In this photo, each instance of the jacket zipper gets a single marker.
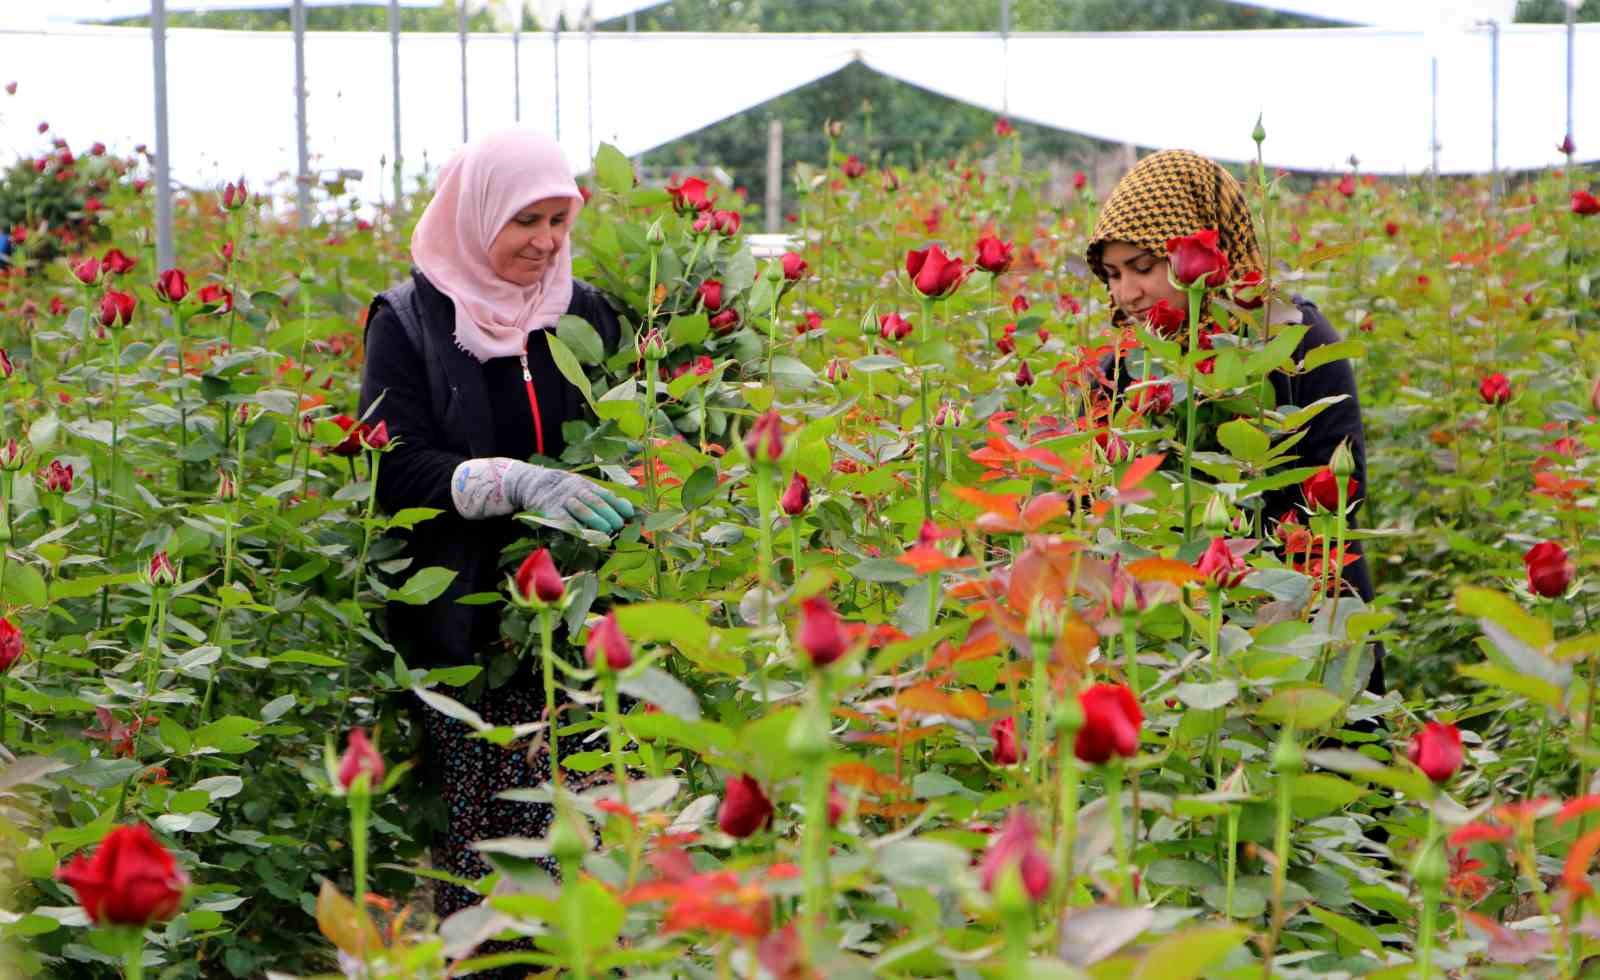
(533, 403)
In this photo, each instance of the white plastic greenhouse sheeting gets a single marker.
(1415, 14)
(33, 13)
(1325, 94)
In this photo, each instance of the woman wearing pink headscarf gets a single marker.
(457, 367)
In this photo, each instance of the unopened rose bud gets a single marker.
(1259, 134)
(655, 236)
(948, 416)
(833, 129)
(1216, 516)
(161, 573)
(838, 370)
(1343, 461)
(1044, 623)
(14, 456)
(227, 489)
(653, 346)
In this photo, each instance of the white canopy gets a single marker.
(33, 13)
(1415, 14)
(1325, 94)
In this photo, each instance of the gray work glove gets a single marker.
(496, 486)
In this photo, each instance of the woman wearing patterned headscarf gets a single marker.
(1173, 194)
(475, 404)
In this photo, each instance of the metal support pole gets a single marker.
(394, 84)
(774, 174)
(516, 63)
(297, 21)
(555, 59)
(461, 29)
(165, 258)
(1572, 13)
(1494, 112)
(588, 67)
(1005, 57)
(1433, 126)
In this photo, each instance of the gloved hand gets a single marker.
(496, 486)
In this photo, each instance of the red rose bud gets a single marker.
(726, 222)
(1550, 571)
(1197, 259)
(1566, 145)
(797, 496)
(822, 635)
(162, 573)
(932, 272)
(57, 478)
(1584, 203)
(1007, 344)
(1247, 292)
(811, 321)
(1114, 446)
(1347, 185)
(226, 251)
(764, 441)
(87, 270)
(745, 809)
(117, 262)
(1007, 752)
(1024, 377)
(131, 880)
(947, 416)
(1436, 750)
(893, 326)
(1321, 490)
(1165, 319)
(690, 195)
(14, 456)
(375, 438)
(216, 299)
(1017, 846)
(360, 756)
(608, 644)
(234, 195)
(1391, 229)
(838, 370)
(704, 223)
(7, 369)
(227, 489)
(350, 445)
(537, 578)
(725, 321)
(994, 255)
(890, 181)
(853, 167)
(1221, 565)
(11, 88)
(794, 267)
(1080, 180)
(710, 294)
(1155, 399)
(11, 645)
(1111, 720)
(172, 285)
(1003, 127)
(1495, 389)
(837, 805)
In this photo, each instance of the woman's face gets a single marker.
(1137, 279)
(523, 249)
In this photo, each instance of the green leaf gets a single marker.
(656, 686)
(580, 336)
(1348, 929)
(425, 586)
(410, 517)
(1208, 697)
(1311, 411)
(1176, 873)
(699, 737)
(613, 169)
(458, 676)
(227, 734)
(1301, 707)
(1189, 954)
(567, 364)
(881, 570)
(688, 331)
(1246, 442)
(673, 623)
(627, 414)
(920, 863)
(22, 585)
(1277, 351)
(699, 488)
(1498, 678)
(1328, 353)
(1499, 608)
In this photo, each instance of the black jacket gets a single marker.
(1337, 423)
(443, 406)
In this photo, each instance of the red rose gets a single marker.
(710, 294)
(811, 321)
(690, 195)
(1111, 720)
(821, 636)
(1079, 180)
(1565, 146)
(608, 644)
(172, 285)
(764, 441)
(537, 577)
(838, 370)
(117, 262)
(216, 299)
(1436, 750)
(1003, 127)
(1584, 203)
(234, 196)
(745, 809)
(1154, 399)
(794, 267)
(1390, 228)
(725, 321)
(1019, 304)
(1247, 291)
(1549, 569)
(1347, 185)
(1024, 378)
(893, 326)
(726, 222)
(932, 272)
(1321, 490)
(1017, 846)
(1166, 319)
(1007, 343)
(116, 308)
(350, 445)
(131, 879)
(1114, 446)
(703, 365)
(11, 645)
(796, 496)
(1006, 750)
(360, 756)
(1495, 389)
(1196, 258)
(87, 270)
(6, 367)
(161, 572)
(1221, 565)
(853, 167)
(57, 478)
(994, 255)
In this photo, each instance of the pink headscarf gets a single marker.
(482, 187)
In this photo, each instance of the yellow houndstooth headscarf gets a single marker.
(1171, 194)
